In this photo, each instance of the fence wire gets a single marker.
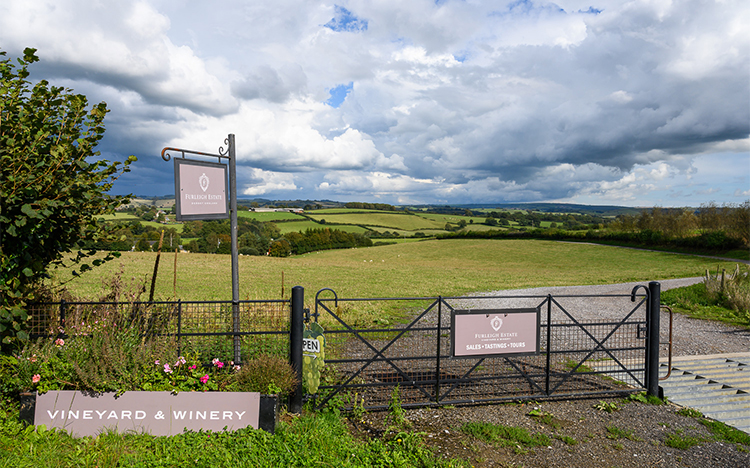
(205, 328)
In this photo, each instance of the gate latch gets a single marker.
(642, 331)
(307, 314)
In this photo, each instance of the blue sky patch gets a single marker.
(346, 21)
(338, 94)
(591, 10)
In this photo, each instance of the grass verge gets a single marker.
(309, 440)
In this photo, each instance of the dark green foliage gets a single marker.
(323, 239)
(370, 206)
(52, 186)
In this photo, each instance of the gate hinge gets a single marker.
(642, 331)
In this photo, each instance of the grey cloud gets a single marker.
(271, 84)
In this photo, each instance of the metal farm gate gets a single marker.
(579, 355)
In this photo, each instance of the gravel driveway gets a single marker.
(690, 336)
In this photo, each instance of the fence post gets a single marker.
(61, 320)
(549, 343)
(653, 310)
(179, 327)
(439, 332)
(296, 329)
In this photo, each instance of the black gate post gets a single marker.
(653, 309)
(296, 330)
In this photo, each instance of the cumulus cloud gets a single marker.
(425, 101)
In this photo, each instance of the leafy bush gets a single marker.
(47, 213)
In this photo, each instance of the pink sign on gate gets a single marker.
(492, 333)
(200, 190)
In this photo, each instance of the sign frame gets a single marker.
(178, 163)
(504, 344)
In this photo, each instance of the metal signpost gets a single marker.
(200, 194)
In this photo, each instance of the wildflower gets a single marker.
(204, 379)
(236, 368)
(157, 362)
(181, 360)
(36, 378)
(59, 342)
(215, 361)
(167, 369)
(219, 364)
(193, 367)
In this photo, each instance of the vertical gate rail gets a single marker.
(577, 357)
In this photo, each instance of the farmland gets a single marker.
(432, 267)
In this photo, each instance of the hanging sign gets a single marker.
(200, 190)
(492, 333)
(313, 356)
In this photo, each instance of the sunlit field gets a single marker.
(428, 268)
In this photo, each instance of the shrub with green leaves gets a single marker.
(52, 185)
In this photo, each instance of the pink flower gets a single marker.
(193, 367)
(36, 378)
(167, 369)
(204, 379)
(219, 364)
(59, 342)
(214, 361)
(156, 362)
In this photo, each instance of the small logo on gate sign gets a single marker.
(203, 181)
(496, 323)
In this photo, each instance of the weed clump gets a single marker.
(266, 374)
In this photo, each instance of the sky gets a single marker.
(599, 102)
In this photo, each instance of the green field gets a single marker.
(441, 219)
(301, 226)
(126, 217)
(386, 219)
(270, 215)
(427, 268)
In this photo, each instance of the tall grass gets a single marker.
(721, 296)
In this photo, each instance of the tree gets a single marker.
(52, 188)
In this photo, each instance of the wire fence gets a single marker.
(206, 328)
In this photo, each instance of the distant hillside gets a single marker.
(597, 210)
(600, 210)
